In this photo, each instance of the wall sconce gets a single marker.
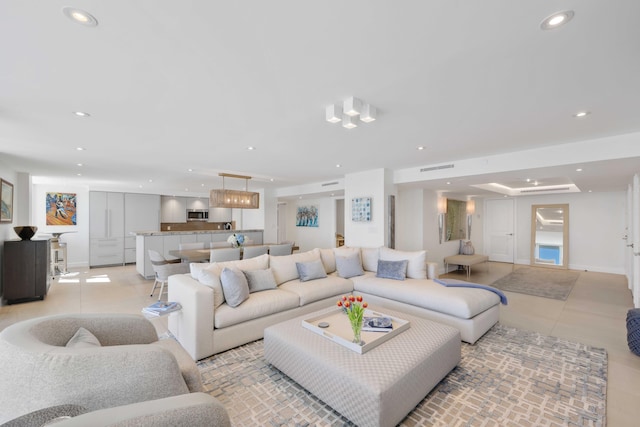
(471, 209)
(442, 210)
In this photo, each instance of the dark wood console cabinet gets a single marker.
(25, 270)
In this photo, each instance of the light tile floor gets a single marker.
(594, 314)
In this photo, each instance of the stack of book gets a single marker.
(377, 324)
(161, 308)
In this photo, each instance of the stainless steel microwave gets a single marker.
(197, 215)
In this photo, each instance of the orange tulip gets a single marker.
(359, 298)
(339, 303)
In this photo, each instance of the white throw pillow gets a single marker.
(417, 267)
(83, 339)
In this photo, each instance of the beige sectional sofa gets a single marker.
(209, 324)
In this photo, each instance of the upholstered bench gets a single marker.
(465, 260)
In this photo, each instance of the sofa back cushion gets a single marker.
(209, 273)
(284, 267)
(370, 258)
(328, 260)
(417, 261)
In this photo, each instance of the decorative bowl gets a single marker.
(26, 232)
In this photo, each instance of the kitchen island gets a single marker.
(165, 241)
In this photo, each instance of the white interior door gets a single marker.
(499, 230)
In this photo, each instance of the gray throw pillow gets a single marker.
(349, 266)
(83, 339)
(311, 270)
(396, 270)
(260, 280)
(234, 286)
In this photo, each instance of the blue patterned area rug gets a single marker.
(508, 378)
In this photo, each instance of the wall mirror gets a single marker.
(550, 236)
(456, 220)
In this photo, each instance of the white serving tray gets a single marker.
(339, 329)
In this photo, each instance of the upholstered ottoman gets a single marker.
(377, 388)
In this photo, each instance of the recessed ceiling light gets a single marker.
(272, 180)
(338, 165)
(79, 164)
(251, 148)
(81, 114)
(190, 170)
(448, 182)
(581, 114)
(579, 170)
(420, 148)
(80, 149)
(140, 186)
(150, 180)
(556, 20)
(79, 174)
(80, 16)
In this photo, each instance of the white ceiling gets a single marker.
(173, 86)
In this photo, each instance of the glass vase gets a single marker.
(356, 326)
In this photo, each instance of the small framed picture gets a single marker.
(6, 201)
(361, 209)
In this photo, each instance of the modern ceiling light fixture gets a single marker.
(223, 198)
(352, 111)
(80, 16)
(556, 20)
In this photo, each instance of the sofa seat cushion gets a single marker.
(258, 304)
(463, 303)
(318, 289)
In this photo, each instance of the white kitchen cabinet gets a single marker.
(106, 228)
(141, 213)
(174, 209)
(143, 263)
(197, 203)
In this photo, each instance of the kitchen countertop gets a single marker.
(170, 233)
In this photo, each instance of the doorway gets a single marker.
(499, 223)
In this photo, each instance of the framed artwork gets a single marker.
(361, 209)
(61, 209)
(6, 201)
(307, 216)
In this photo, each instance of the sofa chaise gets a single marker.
(208, 324)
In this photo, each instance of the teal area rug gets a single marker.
(539, 282)
(508, 378)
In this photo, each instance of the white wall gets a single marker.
(596, 228)
(377, 185)
(322, 236)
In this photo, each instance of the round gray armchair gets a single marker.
(119, 363)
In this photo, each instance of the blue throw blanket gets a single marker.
(452, 283)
